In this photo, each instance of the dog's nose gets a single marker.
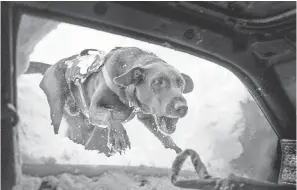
(180, 109)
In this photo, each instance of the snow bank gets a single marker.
(105, 181)
(31, 31)
(212, 126)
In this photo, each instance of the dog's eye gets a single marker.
(180, 83)
(160, 82)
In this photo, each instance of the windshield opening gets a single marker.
(191, 102)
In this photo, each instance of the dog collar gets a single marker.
(108, 80)
(130, 96)
(126, 94)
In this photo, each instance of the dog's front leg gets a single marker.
(149, 122)
(118, 139)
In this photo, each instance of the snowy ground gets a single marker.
(102, 182)
(209, 127)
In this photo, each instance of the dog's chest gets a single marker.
(108, 98)
(112, 101)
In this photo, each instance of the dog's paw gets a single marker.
(110, 153)
(118, 141)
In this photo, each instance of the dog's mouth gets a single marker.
(166, 125)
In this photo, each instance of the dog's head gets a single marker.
(159, 88)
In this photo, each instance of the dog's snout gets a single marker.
(177, 107)
(180, 109)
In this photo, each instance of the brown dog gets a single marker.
(93, 90)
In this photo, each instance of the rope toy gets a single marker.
(207, 182)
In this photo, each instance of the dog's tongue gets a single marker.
(166, 124)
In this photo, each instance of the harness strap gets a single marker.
(108, 80)
(88, 69)
(85, 109)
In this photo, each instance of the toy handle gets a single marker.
(86, 51)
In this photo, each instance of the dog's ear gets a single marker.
(55, 88)
(133, 76)
(189, 86)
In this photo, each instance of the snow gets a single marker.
(102, 182)
(85, 62)
(208, 128)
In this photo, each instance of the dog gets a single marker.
(97, 93)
